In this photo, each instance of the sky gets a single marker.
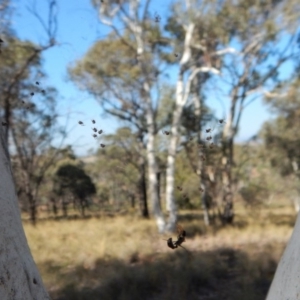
(78, 29)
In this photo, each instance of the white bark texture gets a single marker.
(286, 282)
(182, 94)
(19, 277)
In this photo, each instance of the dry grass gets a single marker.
(124, 258)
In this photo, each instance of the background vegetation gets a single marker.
(90, 220)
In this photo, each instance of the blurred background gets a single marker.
(125, 118)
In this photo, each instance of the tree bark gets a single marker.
(19, 277)
(181, 98)
(286, 284)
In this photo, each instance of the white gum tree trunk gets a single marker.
(181, 99)
(134, 21)
(286, 282)
(183, 92)
(19, 277)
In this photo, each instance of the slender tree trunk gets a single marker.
(201, 167)
(152, 169)
(227, 162)
(20, 278)
(286, 283)
(142, 183)
(182, 93)
(32, 208)
(65, 207)
(82, 207)
(158, 188)
(7, 115)
(132, 200)
(170, 172)
(142, 187)
(150, 145)
(54, 206)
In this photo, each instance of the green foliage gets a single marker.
(282, 134)
(73, 179)
(254, 194)
(115, 171)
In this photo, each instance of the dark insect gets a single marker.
(208, 130)
(80, 122)
(43, 91)
(201, 190)
(37, 83)
(100, 131)
(95, 129)
(209, 138)
(180, 238)
(176, 54)
(221, 121)
(94, 135)
(93, 121)
(32, 94)
(202, 157)
(171, 244)
(181, 235)
(4, 123)
(166, 132)
(211, 146)
(102, 145)
(179, 188)
(1, 41)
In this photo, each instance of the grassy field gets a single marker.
(124, 258)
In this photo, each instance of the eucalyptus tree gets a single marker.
(208, 30)
(35, 135)
(198, 34)
(19, 57)
(20, 278)
(28, 107)
(122, 71)
(122, 169)
(282, 135)
(264, 47)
